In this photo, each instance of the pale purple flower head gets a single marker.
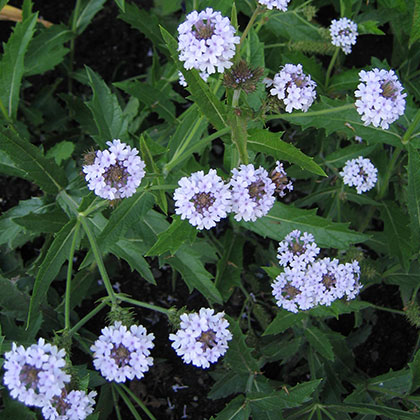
(278, 4)
(297, 249)
(380, 99)
(116, 172)
(206, 42)
(294, 88)
(359, 173)
(343, 34)
(121, 353)
(75, 405)
(202, 199)
(35, 374)
(252, 192)
(279, 177)
(202, 337)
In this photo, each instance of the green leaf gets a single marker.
(378, 410)
(42, 171)
(129, 212)
(415, 372)
(57, 254)
(397, 232)
(121, 4)
(156, 100)
(229, 383)
(131, 252)
(13, 302)
(335, 115)
(46, 50)
(415, 27)
(369, 27)
(338, 158)
(282, 219)
(239, 356)
(413, 194)
(12, 64)
(50, 222)
(270, 143)
(178, 232)
(145, 22)
(320, 342)
(237, 409)
(193, 272)
(8, 167)
(201, 94)
(61, 151)
(86, 12)
(106, 111)
(283, 320)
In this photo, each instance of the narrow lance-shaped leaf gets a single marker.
(42, 171)
(413, 194)
(320, 342)
(86, 12)
(56, 256)
(206, 100)
(12, 64)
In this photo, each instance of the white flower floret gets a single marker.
(252, 192)
(343, 34)
(116, 172)
(202, 337)
(359, 173)
(278, 4)
(202, 199)
(36, 374)
(121, 353)
(297, 249)
(294, 88)
(75, 405)
(206, 42)
(380, 99)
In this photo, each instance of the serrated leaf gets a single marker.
(87, 11)
(283, 320)
(121, 4)
(229, 383)
(415, 372)
(237, 409)
(413, 194)
(42, 171)
(13, 301)
(282, 219)
(270, 143)
(239, 356)
(131, 252)
(156, 100)
(12, 64)
(369, 27)
(130, 211)
(335, 115)
(8, 167)
(397, 232)
(193, 272)
(378, 410)
(61, 151)
(106, 111)
(46, 50)
(320, 342)
(201, 94)
(50, 266)
(50, 222)
(178, 232)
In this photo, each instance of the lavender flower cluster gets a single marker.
(380, 99)
(36, 376)
(204, 199)
(307, 281)
(343, 34)
(359, 173)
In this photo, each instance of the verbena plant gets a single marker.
(277, 173)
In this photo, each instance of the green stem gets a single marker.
(331, 66)
(383, 308)
(90, 315)
(235, 97)
(275, 45)
(251, 21)
(115, 399)
(69, 276)
(407, 135)
(93, 207)
(389, 169)
(165, 311)
(138, 401)
(291, 117)
(99, 260)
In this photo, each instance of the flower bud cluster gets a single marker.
(380, 99)
(36, 377)
(293, 87)
(343, 34)
(359, 173)
(204, 199)
(206, 42)
(307, 281)
(116, 172)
